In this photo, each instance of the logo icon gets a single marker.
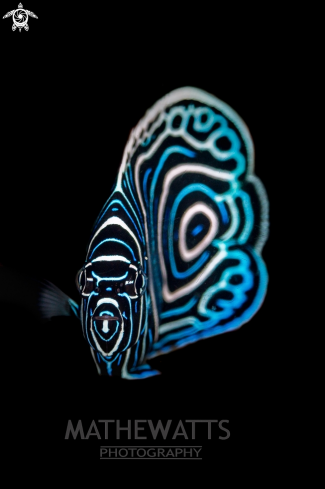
(20, 18)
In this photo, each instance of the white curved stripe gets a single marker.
(140, 133)
(131, 207)
(150, 273)
(111, 258)
(143, 342)
(144, 307)
(169, 177)
(124, 371)
(264, 222)
(197, 208)
(107, 301)
(197, 281)
(119, 222)
(175, 172)
(141, 301)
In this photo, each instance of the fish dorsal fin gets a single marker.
(188, 167)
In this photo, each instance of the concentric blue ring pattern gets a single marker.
(188, 209)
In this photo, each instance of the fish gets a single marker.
(174, 256)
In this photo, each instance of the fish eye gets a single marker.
(84, 282)
(140, 283)
(135, 285)
(136, 282)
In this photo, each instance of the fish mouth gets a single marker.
(107, 325)
(105, 317)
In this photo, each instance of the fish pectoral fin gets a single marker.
(53, 302)
(39, 297)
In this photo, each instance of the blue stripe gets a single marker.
(179, 310)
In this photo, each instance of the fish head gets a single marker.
(113, 308)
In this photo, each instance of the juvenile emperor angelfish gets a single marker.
(175, 254)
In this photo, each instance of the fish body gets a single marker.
(175, 254)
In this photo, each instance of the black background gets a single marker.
(72, 88)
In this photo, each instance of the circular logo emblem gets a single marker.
(20, 18)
